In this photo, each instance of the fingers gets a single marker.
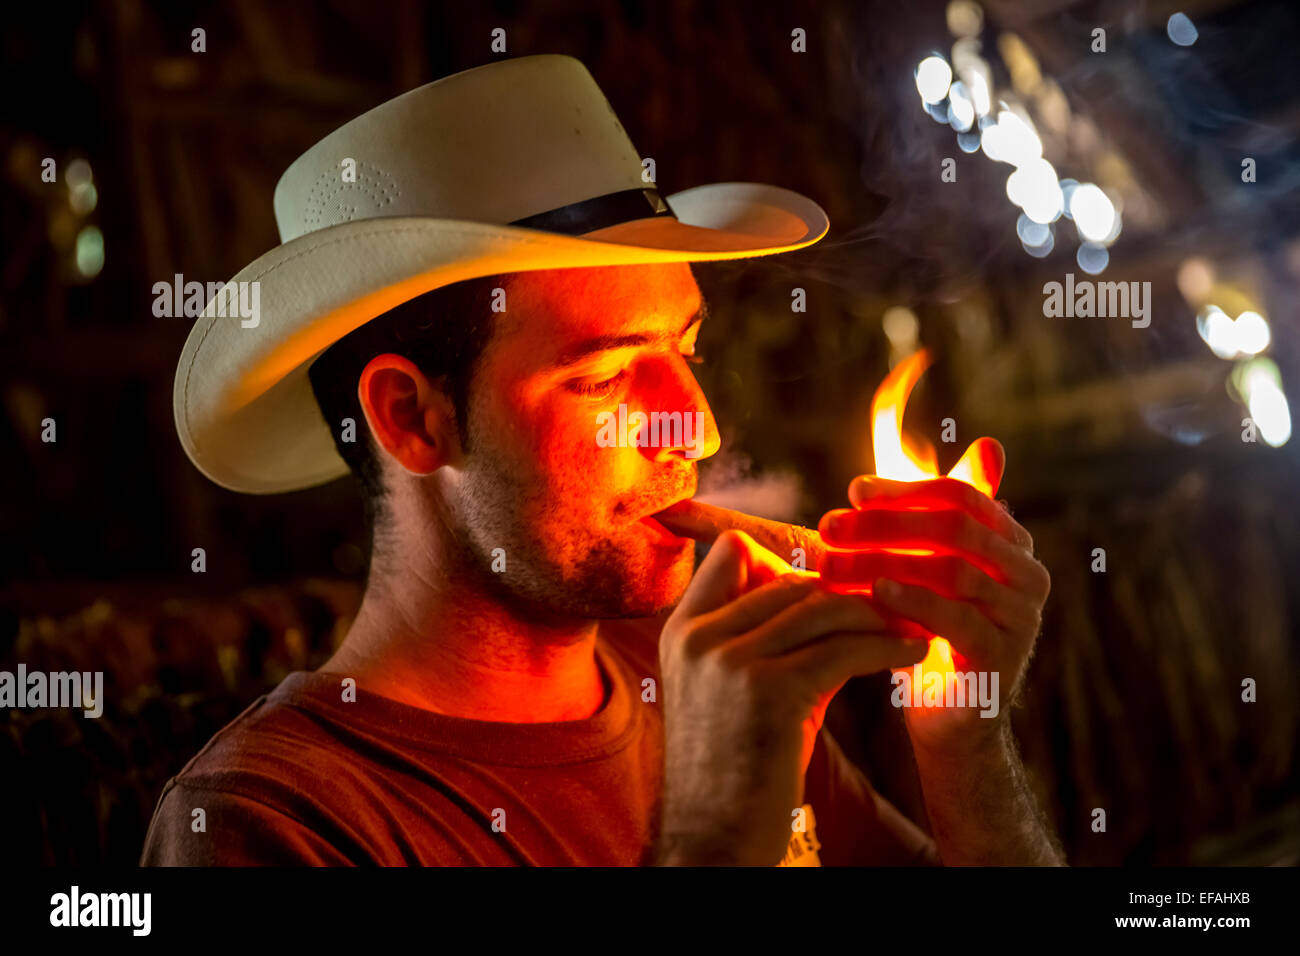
(982, 465)
(949, 531)
(735, 564)
(835, 658)
(870, 491)
(951, 576)
(969, 631)
(756, 607)
(815, 615)
(765, 566)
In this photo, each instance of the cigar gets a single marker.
(694, 519)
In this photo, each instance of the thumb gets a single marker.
(735, 564)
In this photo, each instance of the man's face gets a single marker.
(552, 477)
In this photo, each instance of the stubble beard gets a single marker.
(578, 574)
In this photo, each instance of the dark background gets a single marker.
(1117, 438)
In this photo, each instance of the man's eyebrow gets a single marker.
(602, 343)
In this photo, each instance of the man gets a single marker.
(534, 675)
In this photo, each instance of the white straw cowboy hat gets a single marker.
(510, 167)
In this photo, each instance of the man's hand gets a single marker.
(972, 578)
(980, 586)
(750, 659)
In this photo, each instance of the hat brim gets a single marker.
(243, 403)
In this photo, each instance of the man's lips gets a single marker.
(660, 529)
(667, 509)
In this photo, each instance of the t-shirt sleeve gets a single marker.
(855, 825)
(232, 830)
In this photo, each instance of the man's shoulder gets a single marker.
(277, 756)
(272, 739)
(263, 787)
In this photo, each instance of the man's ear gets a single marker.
(410, 417)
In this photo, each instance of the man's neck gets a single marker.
(443, 644)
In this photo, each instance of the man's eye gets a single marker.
(597, 388)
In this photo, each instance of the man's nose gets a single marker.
(686, 427)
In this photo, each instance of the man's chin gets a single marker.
(638, 572)
(655, 578)
(672, 582)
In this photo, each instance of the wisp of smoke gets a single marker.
(726, 481)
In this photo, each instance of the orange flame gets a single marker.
(902, 457)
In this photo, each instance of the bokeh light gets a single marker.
(902, 328)
(1260, 384)
(1092, 258)
(933, 76)
(1195, 280)
(1031, 233)
(1181, 29)
(1252, 333)
(78, 173)
(965, 19)
(961, 109)
(1043, 249)
(1034, 188)
(1228, 338)
(1093, 212)
(1011, 140)
(82, 198)
(90, 252)
(1215, 328)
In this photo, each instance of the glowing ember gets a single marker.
(903, 457)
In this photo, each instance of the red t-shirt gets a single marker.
(304, 777)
